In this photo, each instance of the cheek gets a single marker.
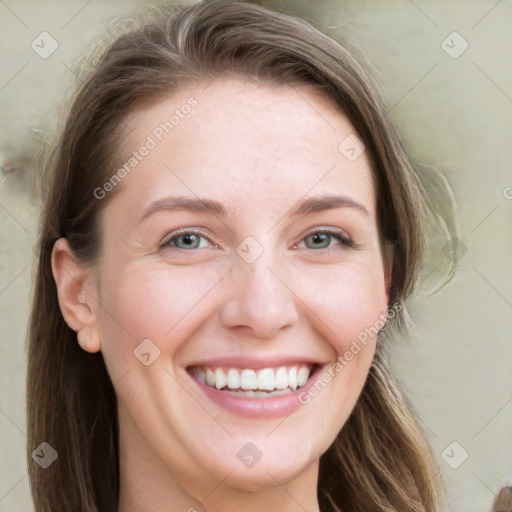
(153, 302)
(347, 302)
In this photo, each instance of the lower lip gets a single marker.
(255, 407)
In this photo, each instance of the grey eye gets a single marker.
(319, 240)
(186, 241)
(322, 239)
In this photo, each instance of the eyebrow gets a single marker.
(204, 205)
(326, 202)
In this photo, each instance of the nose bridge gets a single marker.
(258, 297)
(260, 281)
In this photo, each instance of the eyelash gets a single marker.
(340, 235)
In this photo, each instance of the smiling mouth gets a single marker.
(261, 383)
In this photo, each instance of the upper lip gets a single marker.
(244, 361)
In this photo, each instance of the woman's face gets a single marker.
(239, 251)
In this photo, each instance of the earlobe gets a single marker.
(73, 281)
(88, 339)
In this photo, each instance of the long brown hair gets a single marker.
(380, 460)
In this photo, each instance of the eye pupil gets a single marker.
(187, 240)
(320, 238)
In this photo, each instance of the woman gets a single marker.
(230, 233)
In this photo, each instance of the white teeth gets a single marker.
(302, 376)
(210, 377)
(266, 379)
(248, 379)
(220, 378)
(249, 382)
(292, 378)
(233, 379)
(281, 381)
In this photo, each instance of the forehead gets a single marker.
(244, 144)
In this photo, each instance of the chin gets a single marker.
(277, 465)
(256, 479)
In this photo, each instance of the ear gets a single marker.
(76, 292)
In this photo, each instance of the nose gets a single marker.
(259, 297)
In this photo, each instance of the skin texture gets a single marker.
(258, 150)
